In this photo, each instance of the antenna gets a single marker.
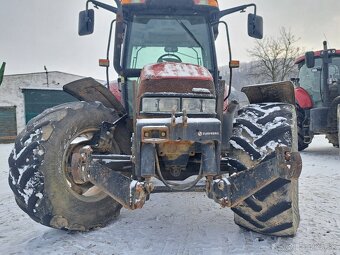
(326, 39)
(45, 68)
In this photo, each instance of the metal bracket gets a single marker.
(130, 193)
(233, 190)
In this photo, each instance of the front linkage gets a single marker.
(231, 191)
(227, 191)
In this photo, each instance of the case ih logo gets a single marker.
(200, 133)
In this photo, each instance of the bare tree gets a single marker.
(273, 58)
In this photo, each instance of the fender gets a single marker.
(89, 90)
(270, 92)
(303, 98)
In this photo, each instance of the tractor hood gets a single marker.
(170, 77)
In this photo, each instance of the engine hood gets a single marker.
(170, 77)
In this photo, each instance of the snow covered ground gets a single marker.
(187, 223)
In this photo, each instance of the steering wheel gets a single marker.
(169, 58)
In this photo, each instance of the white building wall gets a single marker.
(12, 85)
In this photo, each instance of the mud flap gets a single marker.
(90, 90)
(270, 92)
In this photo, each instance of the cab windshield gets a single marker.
(156, 39)
(311, 78)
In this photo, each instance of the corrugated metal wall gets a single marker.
(8, 124)
(36, 101)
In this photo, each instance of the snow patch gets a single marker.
(21, 171)
(236, 146)
(26, 143)
(39, 195)
(175, 70)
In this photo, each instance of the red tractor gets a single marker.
(318, 96)
(76, 165)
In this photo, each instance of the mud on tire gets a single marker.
(38, 165)
(258, 129)
(301, 140)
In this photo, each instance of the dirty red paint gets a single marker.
(303, 98)
(171, 70)
(316, 54)
(115, 91)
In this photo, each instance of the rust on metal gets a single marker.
(296, 165)
(174, 149)
(79, 162)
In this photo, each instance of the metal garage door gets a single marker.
(8, 124)
(37, 100)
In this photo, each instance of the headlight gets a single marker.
(161, 104)
(198, 105)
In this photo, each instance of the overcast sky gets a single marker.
(35, 33)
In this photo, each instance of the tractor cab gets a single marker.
(318, 95)
(160, 31)
(174, 40)
(314, 79)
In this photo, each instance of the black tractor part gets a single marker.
(40, 167)
(258, 130)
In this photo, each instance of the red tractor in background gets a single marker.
(317, 94)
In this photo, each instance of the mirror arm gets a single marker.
(230, 56)
(104, 6)
(235, 9)
(119, 29)
(119, 37)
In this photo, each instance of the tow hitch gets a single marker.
(230, 191)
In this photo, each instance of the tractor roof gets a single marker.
(316, 54)
(170, 5)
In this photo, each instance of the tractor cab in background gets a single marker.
(318, 95)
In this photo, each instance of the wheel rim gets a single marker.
(86, 192)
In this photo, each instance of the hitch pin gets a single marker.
(173, 117)
(185, 118)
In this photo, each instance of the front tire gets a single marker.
(39, 168)
(258, 130)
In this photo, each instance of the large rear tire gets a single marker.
(301, 135)
(39, 172)
(258, 129)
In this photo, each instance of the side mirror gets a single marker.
(310, 60)
(255, 26)
(86, 22)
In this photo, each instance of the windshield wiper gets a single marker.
(190, 34)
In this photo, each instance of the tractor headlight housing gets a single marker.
(199, 105)
(170, 104)
(160, 104)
